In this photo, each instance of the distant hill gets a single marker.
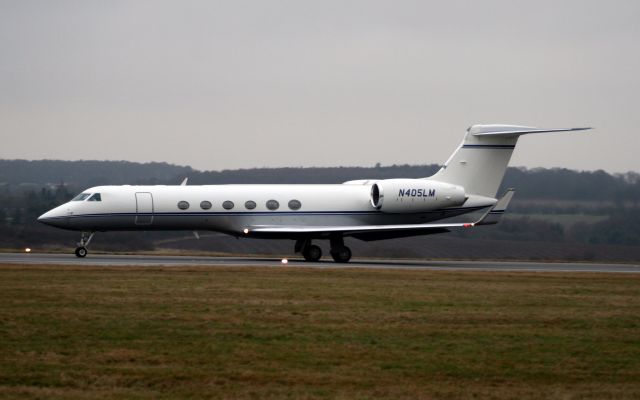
(87, 173)
(556, 214)
(566, 184)
(311, 174)
(539, 183)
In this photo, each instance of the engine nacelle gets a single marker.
(415, 195)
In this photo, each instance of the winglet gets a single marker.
(184, 182)
(494, 214)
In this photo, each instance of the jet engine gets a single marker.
(398, 196)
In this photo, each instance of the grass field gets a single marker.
(99, 333)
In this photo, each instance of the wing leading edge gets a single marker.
(376, 232)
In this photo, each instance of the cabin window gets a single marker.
(250, 205)
(227, 205)
(273, 205)
(81, 197)
(205, 205)
(95, 197)
(183, 205)
(295, 204)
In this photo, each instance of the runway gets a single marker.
(182, 261)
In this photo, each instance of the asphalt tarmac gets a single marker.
(181, 261)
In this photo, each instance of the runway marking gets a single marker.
(276, 262)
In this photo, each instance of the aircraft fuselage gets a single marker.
(231, 208)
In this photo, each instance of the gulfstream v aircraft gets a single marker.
(364, 209)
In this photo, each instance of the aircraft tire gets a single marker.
(81, 252)
(312, 253)
(341, 254)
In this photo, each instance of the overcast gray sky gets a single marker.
(238, 84)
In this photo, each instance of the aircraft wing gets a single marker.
(376, 232)
(494, 215)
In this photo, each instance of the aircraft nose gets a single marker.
(44, 218)
(54, 218)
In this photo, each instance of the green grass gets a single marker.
(93, 332)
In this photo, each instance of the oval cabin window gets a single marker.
(227, 205)
(250, 205)
(295, 204)
(273, 205)
(205, 205)
(183, 205)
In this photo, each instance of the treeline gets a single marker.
(539, 183)
(622, 227)
(19, 227)
(611, 200)
(87, 173)
(565, 184)
(17, 209)
(19, 212)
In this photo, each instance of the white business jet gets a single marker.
(364, 209)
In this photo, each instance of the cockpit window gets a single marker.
(95, 197)
(81, 197)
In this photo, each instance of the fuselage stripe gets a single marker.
(256, 213)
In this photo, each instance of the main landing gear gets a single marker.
(339, 252)
(85, 239)
(309, 251)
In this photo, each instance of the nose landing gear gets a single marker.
(85, 239)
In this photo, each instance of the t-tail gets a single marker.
(481, 160)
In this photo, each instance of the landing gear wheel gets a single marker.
(85, 239)
(312, 253)
(81, 252)
(341, 254)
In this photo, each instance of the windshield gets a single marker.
(81, 197)
(95, 197)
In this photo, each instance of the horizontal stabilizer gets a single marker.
(513, 130)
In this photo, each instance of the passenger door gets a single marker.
(144, 208)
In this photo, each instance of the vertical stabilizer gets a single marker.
(481, 160)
